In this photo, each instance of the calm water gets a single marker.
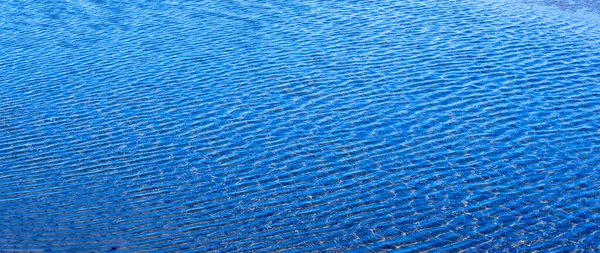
(294, 126)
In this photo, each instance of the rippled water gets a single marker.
(243, 125)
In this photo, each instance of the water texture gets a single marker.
(299, 126)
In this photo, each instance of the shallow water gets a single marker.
(299, 126)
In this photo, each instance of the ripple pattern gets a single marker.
(299, 126)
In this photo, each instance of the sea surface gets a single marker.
(299, 126)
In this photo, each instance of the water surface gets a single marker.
(295, 126)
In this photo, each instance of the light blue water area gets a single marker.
(297, 126)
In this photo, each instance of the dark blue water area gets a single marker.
(299, 126)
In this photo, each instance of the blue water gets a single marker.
(299, 126)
